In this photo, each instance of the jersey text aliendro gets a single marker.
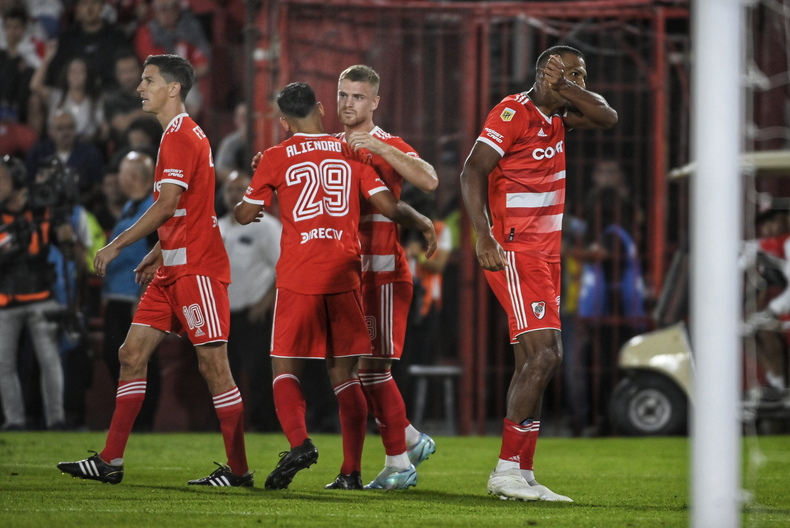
(190, 240)
(383, 259)
(526, 190)
(318, 180)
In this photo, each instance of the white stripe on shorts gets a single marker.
(514, 288)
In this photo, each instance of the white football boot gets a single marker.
(510, 485)
(547, 495)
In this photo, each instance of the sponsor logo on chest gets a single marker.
(548, 152)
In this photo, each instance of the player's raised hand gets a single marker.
(363, 140)
(490, 254)
(103, 257)
(554, 72)
(255, 161)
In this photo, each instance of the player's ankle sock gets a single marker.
(388, 408)
(353, 418)
(399, 462)
(128, 401)
(412, 435)
(230, 411)
(504, 465)
(528, 450)
(513, 437)
(529, 476)
(290, 406)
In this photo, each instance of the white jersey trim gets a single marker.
(547, 224)
(378, 263)
(185, 185)
(533, 200)
(174, 257)
(374, 218)
(310, 135)
(378, 190)
(256, 202)
(180, 116)
(180, 212)
(492, 145)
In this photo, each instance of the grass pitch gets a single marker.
(615, 482)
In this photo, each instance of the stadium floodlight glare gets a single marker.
(716, 220)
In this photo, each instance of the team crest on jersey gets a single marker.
(507, 114)
(539, 309)
(194, 318)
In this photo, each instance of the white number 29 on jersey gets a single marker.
(333, 176)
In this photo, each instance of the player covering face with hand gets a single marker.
(318, 309)
(518, 167)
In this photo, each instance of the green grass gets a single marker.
(615, 482)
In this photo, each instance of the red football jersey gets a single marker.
(775, 245)
(318, 180)
(383, 259)
(526, 190)
(191, 241)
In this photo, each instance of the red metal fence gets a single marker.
(444, 66)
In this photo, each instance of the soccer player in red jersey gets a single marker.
(318, 308)
(518, 167)
(190, 289)
(386, 278)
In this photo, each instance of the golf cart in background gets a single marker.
(654, 393)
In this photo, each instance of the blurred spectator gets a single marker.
(91, 38)
(175, 30)
(253, 251)
(121, 293)
(109, 210)
(143, 133)
(31, 44)
(75, 92)
(122, 103)
(47, 14)
(233, 153)
(83, 157)
(26, 284)
(128, 15)
(16, 70)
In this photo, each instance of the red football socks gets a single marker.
(528, 450)
(353, 418)
(290, 405)
(128, 401)
(230, 411)
(388, 408)
(514, 437)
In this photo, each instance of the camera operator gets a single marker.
(28, 226)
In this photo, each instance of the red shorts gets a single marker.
(529, 291)
(319, 326)
(193, 303)
(386, 313)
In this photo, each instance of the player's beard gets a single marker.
(350, 120)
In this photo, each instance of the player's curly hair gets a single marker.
(296, 100)
(362, 73)
(174, 69)
(556, 50)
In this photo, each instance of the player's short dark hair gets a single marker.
(556, 50)
(17, 13)
(174, 69)
(362, 73)
(296, 100)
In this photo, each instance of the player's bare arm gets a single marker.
(405, 215)
(416, 171)
(160, 212)
(246, 212)
(590, 110)
(474, 186)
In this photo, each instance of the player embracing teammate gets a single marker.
(318, 309)
(518, 167)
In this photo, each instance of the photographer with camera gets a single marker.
(31, 219)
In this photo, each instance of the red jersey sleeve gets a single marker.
(369, 181)
(404, 147)
(177, 160)
(504, 126)
(262, 186)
